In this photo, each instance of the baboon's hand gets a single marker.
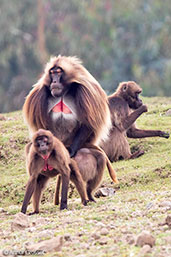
(144, 108)
(164, 134)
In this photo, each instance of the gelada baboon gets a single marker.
(68, 101)
(125, 107)
(91, 162)
(47, 157)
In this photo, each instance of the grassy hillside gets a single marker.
(145, 184)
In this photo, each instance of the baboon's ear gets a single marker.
(124, 87)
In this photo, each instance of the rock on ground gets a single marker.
(168, 113)
(168, 220)
(53, 244)
(20, 222)
(166, 204)
(104, 192)
(145, 238)
(144, 250)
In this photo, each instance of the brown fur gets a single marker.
(91, 100)
(91, 162)
(125, 107)
(111, 170)
(58, 162)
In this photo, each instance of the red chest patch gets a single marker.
(61, 107)
(46, 165)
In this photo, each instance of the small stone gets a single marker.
(144, 250)
(145, 238)
(103, 241)
(149, 206)
(100, 224)
(2, 117)
(67, 237)
(104, 231)
(39, 221)
(68, 212)
(96, 236)
(53, 244)
(13, 207)
(168, 220)
(32, 229)
(130, 239)
(85, 246)
(20, 222)
(165, 204)
(2, 210)
(80, 234)
(45, 233)
(112, 227)
(168, 113)
(104, 192)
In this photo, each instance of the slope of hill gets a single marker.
(108, 227)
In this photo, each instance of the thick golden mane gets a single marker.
(91, 100)
(74, 70)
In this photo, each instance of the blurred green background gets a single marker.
(117, 40)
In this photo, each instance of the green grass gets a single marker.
(144, 182)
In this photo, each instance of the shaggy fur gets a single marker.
(90, 99)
